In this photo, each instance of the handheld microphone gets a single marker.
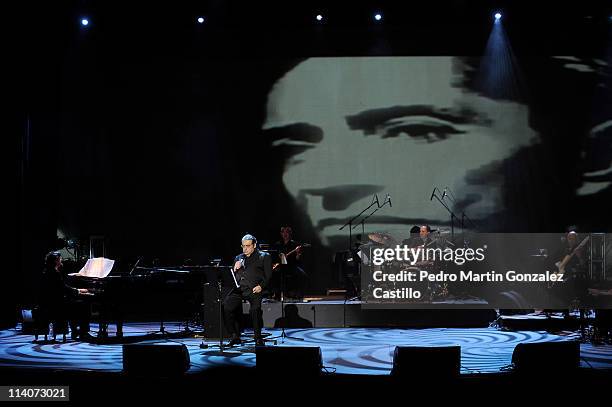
(241, 260)
(444, 193)
(389, 200)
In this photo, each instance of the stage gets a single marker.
(345, 351)
(355, 360)
(424, 186)
(330, 312)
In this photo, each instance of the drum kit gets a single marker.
(439, 237)
(431, 290)
(382, 238)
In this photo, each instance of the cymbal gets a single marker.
(382, 238)
(367, 244)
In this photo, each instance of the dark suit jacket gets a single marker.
(257, 270)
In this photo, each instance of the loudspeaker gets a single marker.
(292, 361)
(427, 362)
(155, 359)
(546, 357)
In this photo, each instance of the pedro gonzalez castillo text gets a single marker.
(510, 271)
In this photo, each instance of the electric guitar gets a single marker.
(563, 263)
(275, 265)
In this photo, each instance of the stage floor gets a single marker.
(366, 351)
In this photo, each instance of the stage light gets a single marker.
(378, 16)
(201, 20)
(84, 22)
(497, 16)
(319, 17)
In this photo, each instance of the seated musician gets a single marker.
(253, 270)
(414, 239)
(288, 275)
(103, 293)
(59, 302)
(420, 237)
(422, 240)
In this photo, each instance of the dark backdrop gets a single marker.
(147, 128)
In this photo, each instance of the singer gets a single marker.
(253, 270)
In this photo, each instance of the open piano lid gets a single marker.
(98, 267)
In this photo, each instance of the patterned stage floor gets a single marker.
(347, 350)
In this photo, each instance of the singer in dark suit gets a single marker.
(253, 270)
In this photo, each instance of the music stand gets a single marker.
(225, 280)
(159, 273)
(283, 335)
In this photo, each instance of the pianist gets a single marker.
(60, 303)
(253, 270)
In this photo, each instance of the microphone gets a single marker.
(241, 260)
(433, 193)
(444, 193)
(376, 200)
(389, 199)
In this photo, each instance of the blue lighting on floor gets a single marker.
(348, 350)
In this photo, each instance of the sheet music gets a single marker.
(98, 267)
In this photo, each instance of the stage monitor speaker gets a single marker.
(427, 362)
(546, 357)
(155, 359)
(292, 361)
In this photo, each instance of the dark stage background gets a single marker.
(174, 139)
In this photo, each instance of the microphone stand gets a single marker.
(452, 214)
(387, 201)
(220, 300)
(283, 335)
(135, 266)
(350, 222)
(350, 246)
(463, 217)
(451, 195)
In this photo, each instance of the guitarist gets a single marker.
(573, 259)
(290, 276)
(577, 263)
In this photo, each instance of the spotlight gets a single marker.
(319, 17)
(201, 20)
(84, 22)
(378, 16)
(497, 16)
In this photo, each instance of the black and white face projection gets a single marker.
(395, 125)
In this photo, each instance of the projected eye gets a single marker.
(429, 131)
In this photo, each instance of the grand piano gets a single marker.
(140, 294)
